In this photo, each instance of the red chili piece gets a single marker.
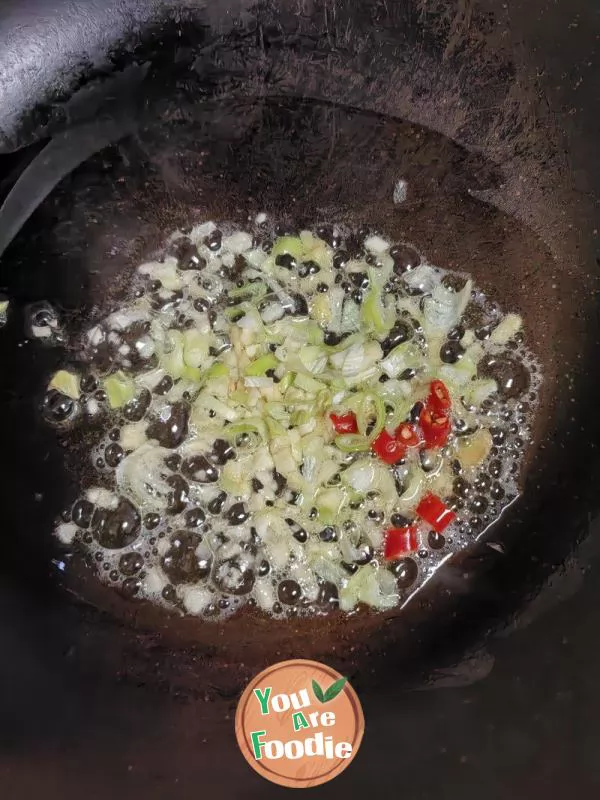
(439, 396)
(400, 541)
(436, 427)
(344, 423)
(435, 512)
(408, 435)
(388, 448)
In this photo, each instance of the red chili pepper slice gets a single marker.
(344, 423)
(400, 541)
(435, 512)
(436, 427)
(439, 396)
(408, 434)
(388, 448)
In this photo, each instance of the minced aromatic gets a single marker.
(299, 423)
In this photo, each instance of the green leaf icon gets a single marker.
(334, 689)
(318, 691)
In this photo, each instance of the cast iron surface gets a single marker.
(137, 702)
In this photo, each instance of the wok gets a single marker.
(120, 122)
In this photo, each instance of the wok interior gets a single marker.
(304, 161)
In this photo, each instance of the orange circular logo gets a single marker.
(299, 723)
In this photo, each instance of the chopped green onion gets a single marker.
(195, 348)
(375, 314)
(66, 383)
(120, 389)
(328, 503)
(262, 365)
(352, 443)
(308, 384)
(291, 245)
